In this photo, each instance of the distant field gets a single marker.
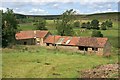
(27, 26)
(39, 62)
(50, 24)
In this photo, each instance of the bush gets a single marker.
(96, 34)
(103, 26)
(109, 23)
(95, 24)
(88, 25)
(83, 25)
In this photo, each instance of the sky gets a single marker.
(57, 7)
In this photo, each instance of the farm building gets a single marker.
(97, 45)
(100, 46)
(35, 37)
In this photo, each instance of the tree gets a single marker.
(95, 24)
(103, 26)
(88, 25)
(64, 24)
(83, 25)
(96, 34)
(109, 23)
(1, 28)
(40, 24)
(77, 24)
(9, 28)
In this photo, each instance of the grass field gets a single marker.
(39, 62)
(27, 26)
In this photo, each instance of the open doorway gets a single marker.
(83, 48)
(47, 44)
(25, 43)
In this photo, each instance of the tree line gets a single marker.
(95, 24)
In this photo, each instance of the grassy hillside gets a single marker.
(82, 18)
(101, 16)
(39, 62)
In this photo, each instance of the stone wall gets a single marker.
(26, 42)
(107, 49)
(100, 51)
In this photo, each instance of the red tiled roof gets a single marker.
(30, 34)
(92, 41)
(78, 41)
(41, 33)
(87, 41)
(51, 39)
(102, 41)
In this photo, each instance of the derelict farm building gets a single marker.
(101, 46)
(32, 37)
(98, 45)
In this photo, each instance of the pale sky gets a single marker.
(56, 7)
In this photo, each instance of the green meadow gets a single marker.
(41, 62)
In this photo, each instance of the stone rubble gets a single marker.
(103, 71)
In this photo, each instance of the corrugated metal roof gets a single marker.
(78, 41)
(68, 41)
(60, 40)
(52, 39)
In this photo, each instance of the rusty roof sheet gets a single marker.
(52, 39)
(78, 41)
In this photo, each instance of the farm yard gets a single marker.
(34, 60)
(41, 62)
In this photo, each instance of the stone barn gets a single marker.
(35, 37)
(97, 45)
(89, 45)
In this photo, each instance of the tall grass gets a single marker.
(41, 62)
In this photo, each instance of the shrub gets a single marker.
(95, 24)
(83, 25)
(103, 26)
(96, 34)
